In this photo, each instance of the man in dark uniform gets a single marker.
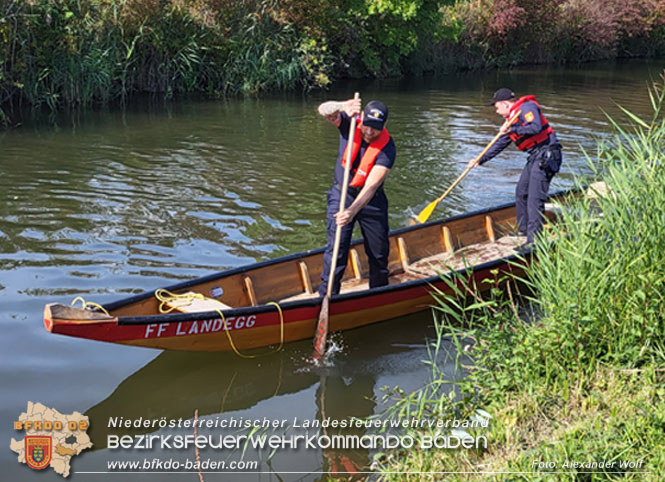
(531, 133)
(373, 155)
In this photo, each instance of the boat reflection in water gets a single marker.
(282, 386)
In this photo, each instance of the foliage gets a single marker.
(77, 52)
(69, 52)
(60, 53)
(393, 29)
(517, 31)
(503, 33)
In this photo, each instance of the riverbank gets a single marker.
(573, 383)
(113, 202)
(80, 52)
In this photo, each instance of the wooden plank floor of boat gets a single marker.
(467, 256)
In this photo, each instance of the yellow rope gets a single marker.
(165, 297)
(281, 324)
(86, 304)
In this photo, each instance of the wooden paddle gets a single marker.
(322, 327)
(427, 212)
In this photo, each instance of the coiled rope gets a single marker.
(167, 298)
(87, 304)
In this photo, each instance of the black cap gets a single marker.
(504, 93)
(376, 115)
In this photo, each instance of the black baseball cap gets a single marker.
(376, 115)
(504, 93)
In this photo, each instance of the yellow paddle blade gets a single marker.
(427, 212)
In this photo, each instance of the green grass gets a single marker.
(576, 371)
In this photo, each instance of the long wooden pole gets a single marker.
(429, 209)
(321, 333)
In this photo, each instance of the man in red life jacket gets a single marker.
(531, 133)
(373, 155)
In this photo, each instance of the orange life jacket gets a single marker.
(524, 142)
(368, 159)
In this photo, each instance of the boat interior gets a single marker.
(414, 254)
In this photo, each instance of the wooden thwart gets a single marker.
(447, 240)
(403, 253)
(489, 228)
(306, 280)
(355, 264)
(407, 266)
(249, 286)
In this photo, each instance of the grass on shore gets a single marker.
(581, 376)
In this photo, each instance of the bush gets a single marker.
(518, 31)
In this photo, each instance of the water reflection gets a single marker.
(333, 401)
(283, 386)
(175, 384)
(111, 202)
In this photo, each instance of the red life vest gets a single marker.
(368, 159)
(524, 142)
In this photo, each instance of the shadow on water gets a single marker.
(175, 384)
(282, 386)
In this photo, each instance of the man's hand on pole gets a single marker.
(352, 107)
(505, 127)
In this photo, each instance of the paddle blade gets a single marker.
(427, 212)
(322, 329)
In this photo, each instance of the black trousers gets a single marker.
(373, 220)
(532, 189)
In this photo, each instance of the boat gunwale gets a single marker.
(308, 302)
(314, 301)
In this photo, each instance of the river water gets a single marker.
(111, 202)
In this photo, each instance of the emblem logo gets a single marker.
(529, 116)
(375, 114)
(38, 451)
(66, 438)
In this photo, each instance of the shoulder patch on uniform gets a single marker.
(528, 116)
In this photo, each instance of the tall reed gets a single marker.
(80, 52)
(602, 286)
(573, 371)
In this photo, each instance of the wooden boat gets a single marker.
(273, 301)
